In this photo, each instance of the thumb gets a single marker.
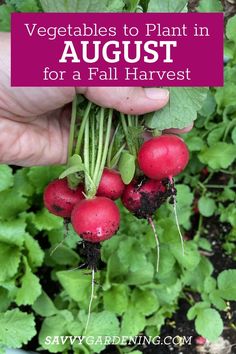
(129, 100)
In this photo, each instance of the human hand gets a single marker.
(34, 122)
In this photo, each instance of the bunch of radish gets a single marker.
(97, 174)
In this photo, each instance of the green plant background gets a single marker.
(130, 296)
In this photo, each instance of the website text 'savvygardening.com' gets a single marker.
(119, 340)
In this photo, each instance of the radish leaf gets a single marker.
(181, 109)
(17, 327)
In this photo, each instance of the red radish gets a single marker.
(111, 185)
(164, 156)
(96, 219)
(143, 196)
(200, 340)
(60, 199)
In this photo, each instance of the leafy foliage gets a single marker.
(129, 296)
(181, 109)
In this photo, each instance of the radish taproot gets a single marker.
(111, 185)
(96, 220)
(164, 156)
(60, 199)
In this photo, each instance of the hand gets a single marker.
(34, 122)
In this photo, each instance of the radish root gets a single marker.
(150, 220)
(91, 300)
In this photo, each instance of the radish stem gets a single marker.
(100, 145)
(98, 173)
(86, 156)
(82, 127)
(91, 300)
(93, 153)
(150, 220)
(72, 128)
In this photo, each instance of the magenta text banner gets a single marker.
(117, 49)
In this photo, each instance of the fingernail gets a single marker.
(156, 93)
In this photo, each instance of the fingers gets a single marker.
(179, 131)
(43, 141)
(129, 100)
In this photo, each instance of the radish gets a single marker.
(96, 219)
(144, 196)
(164, 156)
(111, 185)
(60, 199)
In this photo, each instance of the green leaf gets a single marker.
(64, 256)
(220, 155)
(133, 322)
(5, 17)
(9, 259)
(209, 105)
(104, 323)
(22, 184)
(207, 206)
(169, 294)
(40, 177)
(13, 232)
(216, 134)
(227, 284)
(196, 309)
(233, 135)
(184, 202)
(209, 324)
(144, 301)
(209, 284)
(167, 261)
(43, 220)
(35, 254)
(131, 255)
(116, 299)
(196, 279)
(82, 5)
(217, 301)
(30, 288)
(181, 110)
(25, 5)
(204, 244)
(17, 328)
(228, 214)
(54, 326)
(127, 167)
(209, 6)
(75, 164)
(4, 300)
(13, 203)
(6, 177)
(44, 306)
(166, 6)
(231, 29)
(226, 96)
(194, 143)
(77, 284)
(191, 257)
